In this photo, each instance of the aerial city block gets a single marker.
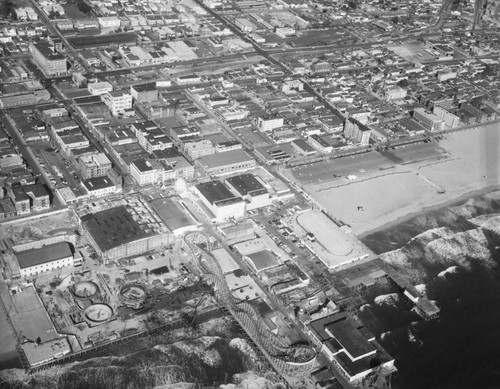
(249, 194)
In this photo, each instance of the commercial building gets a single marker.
(225, 163)
(251, 189)
(50, 62)
(100, 186)
(303, 147)
(221, 204)
(109, 22)
(46, 258)
(121, 232)
(151, 172)
(357, 131)
(196, 148)
(395, 93)
(449, 119)
(429, 121)
(350, 346)
(470, 109)
(268, 123)
(117, 101)
(99, 88)
(244, 25)
(144, 93)
(175, 215)
(320, 144)
(262, 260)
(150, 137)
(94, 165)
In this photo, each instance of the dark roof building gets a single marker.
(350, 344)
(45, 254)
(113, 227)
(216, 193)
(247, 184)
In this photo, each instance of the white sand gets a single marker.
(473, 165)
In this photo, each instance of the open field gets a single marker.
(385, 196)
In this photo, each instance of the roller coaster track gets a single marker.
(294, 361)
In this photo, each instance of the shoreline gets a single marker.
(467, 166)
(429, 208)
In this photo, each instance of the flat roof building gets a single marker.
(177, 218)
(46, 258)
(48, 60)
(349, 345)
(99, 186)
(117, 233)
(224, 163)
(222, 204)
(262, 260)
(251, 189)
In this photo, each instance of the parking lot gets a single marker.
(60, 171)
(320, 172)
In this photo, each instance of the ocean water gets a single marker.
(460, 349)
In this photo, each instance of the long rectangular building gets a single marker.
(46, 258)
(224, 163)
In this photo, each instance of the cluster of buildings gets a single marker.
(230, 199)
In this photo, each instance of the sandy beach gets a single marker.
(379, 198)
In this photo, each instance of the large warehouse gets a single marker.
(46, 258)
(226, 163)
(219, 201)
(120, 232)
(251, 189)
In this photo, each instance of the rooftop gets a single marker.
(46, 50)
(227, 158)
(113, 227)
(349, 337)
(170, 211)
(264, 259)
(35, 190)
(44, 254)
(246, 184)
(97, 183)
(216, 192)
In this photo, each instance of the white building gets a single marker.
(245, 25)
(267, 123)
(222, 205)
(449, 119)
(151, 172)
(110, 22)
(99, 88)
(100, 187)
(395, 93)
(46, 258)
(429, 121)
(117, 101)
(357, 131)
